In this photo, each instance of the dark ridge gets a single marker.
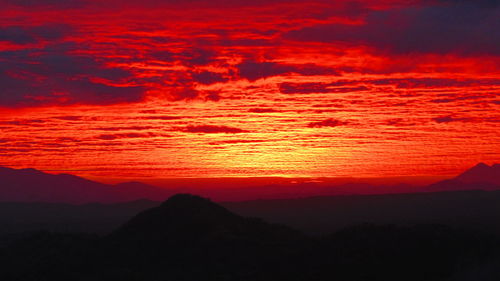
(185, 218)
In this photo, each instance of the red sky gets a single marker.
(219, 88)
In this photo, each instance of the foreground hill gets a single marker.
(190, 238)
(476, 210)
(455, 207)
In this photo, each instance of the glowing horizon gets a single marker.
(167, 89)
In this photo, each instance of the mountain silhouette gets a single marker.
(186, 218)
(188, 229)
(479, 177)
(190, 238)
(30, 185)
(481, 173)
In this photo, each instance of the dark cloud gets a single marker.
(442, 100)
(406, 83)
(189, 56)
(327, 123)
(29, 34)
(262, 110)
(207, 77)
(55, 74)
(236, 142)
(124, 136)
(69, 118)
(210, 129)
(464, 27)
(401, 122)
(184, 93)
(401, 83)
(126, 128)
(160, 117)
(47, 4)
(450, 118)
(253, 70)
(314, 88)
(481, 3)
(456, 98)
(198, 56)
(303, 88)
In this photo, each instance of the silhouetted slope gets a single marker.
(30, 185)
(465, 209)
(187, 229)
(481, 173)
(479, 177)
(188, 238)
(421, 253)
(91, 218)
(189, 217)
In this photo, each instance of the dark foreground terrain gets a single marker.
(191, 238)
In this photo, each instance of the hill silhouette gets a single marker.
(190, 238)
(479, 177)
(30, 185)
(481, 173)
(186, 219)
(189, 229)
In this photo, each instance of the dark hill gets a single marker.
(186, 217)
(188, 229)
(188, 238)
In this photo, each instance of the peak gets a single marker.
(186, 198)
(481, 173)
(481, 165)
(181, 215)
(189, 202)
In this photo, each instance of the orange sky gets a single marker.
(194, 88)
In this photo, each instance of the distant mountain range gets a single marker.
(30, 185)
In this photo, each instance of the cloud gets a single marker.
(124, 136)
(315, 88)
(208, 78)
(68, 118)
(463, 27)
(56, 74)
(126, 128)
(210, 129)
(408, 83)
(262, 110)
(400, 83)
(160, 117)
(253, 70)
(48, 4)
(450, 118)
(32, 34)
(189, 56)
(327, 123)
(238, 141)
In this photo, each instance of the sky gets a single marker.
(219, 88)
